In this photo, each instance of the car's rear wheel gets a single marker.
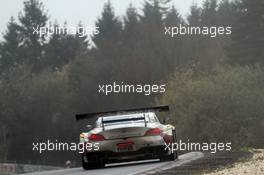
(172, 155)
(85, 165)
(89, 164)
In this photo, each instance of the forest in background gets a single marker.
(214, 85)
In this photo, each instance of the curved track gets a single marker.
(131, 168)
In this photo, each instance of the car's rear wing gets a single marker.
(130, 119)
(122, 111)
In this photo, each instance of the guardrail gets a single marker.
(8, 168)
(13, 168)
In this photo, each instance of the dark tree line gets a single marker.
(45, 80)
(22, 45)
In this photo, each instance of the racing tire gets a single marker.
(92, 165)
(174, 155)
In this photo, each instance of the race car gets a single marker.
(127, 135)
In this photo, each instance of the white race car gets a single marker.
(126, 135)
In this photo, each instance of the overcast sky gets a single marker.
(74, 11)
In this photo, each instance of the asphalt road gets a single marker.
(132, 168)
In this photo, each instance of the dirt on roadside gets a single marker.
(254, 166)
(210, 163)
